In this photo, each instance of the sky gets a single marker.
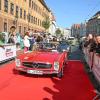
(68, 12)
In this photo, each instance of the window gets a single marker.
(24, 14)
(36, 8)
(0, 4)
(5, 27)
(24, 29)
(28, 17)
(12, 8)
(19, 29)
(31, 19)
(6, 5)
(40, 23)
(36, 21)
(20, 12)
(17, 11)
(30, 3)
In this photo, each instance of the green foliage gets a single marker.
(46, 23)
(2, 37)
(58, 32)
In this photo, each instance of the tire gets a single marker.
(60, 74)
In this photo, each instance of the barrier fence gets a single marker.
(93, 60)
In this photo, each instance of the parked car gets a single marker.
(42, 63)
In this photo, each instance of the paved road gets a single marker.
(76, 54)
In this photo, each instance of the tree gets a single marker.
(46, 23)
(58, 32)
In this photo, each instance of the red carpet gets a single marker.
(75, 85)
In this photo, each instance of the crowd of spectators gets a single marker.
(93, 43)
(28, 41)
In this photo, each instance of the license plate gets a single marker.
(34, 72)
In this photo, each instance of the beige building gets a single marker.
(23, 14)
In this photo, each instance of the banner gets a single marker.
(7, 52)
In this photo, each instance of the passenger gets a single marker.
(44, 38)
(38, 39)
(32, 41)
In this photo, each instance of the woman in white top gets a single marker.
(26, 42)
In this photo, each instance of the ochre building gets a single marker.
(23, 14)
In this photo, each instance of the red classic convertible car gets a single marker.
(42, 63)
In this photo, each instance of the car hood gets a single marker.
(49, 57)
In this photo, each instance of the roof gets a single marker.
(95, 16)
(44, 4)
(97, 13)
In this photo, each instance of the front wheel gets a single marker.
(60, 74)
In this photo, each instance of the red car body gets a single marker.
(42, 63)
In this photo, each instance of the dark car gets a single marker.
(63, 46)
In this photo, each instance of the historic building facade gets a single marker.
(52, 28)
(93, 24)
(83, 29)
(23, 14)
(75, 30)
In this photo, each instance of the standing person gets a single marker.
(32, 41)
(11, 39)
(12, 35)
(44, 38)
(97, 48)
(26, 42)
(90, 47)
(89, 40)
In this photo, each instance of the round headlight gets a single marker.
(56, 65)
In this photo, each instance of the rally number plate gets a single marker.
(34, 72)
